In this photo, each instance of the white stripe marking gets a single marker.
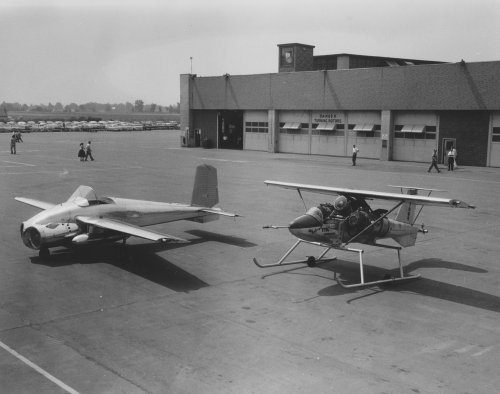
(16, 162)
(465, 349)
(38, 369)
(480, 353)
(231, 161)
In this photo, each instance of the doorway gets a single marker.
(230, 130)
(447, 144)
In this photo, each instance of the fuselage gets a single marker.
(59, 224)
(338, 230)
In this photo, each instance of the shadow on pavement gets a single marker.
(140, 259)
(349, 272)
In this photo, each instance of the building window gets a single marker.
(415, 132)
(366, 130)
(256, 127)
(495, 137)
(287, 57)
(294, 128)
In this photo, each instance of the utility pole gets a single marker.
(191, 60)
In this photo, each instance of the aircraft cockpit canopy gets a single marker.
(85, 192)
(316, 213)
(85, 196)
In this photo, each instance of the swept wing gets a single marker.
(126, 228)
(35, 203)
(422, 200)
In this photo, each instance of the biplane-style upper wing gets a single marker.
(421, 200)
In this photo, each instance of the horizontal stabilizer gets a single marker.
(212, 214)
(218, 211)
(416, 188)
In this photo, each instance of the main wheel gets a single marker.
(311, 261)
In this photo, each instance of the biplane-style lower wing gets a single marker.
(338, 191)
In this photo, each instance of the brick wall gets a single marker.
(304, 59)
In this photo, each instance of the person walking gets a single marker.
(455, 158)
(13, 144)
(81, 152)
(451, 158)
(354, 154)
(434, 161)
(88, 152)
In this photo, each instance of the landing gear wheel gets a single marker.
(44, 253)
(311, 261)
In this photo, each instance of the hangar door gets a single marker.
(414, 135)
(230, 129)
(256, 131)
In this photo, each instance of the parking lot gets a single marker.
(201, 317)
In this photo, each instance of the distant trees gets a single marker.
(127, 107)
(139, 106)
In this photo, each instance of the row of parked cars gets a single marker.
(109, 125)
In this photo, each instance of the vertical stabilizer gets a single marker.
(205, 190)
(406, 213)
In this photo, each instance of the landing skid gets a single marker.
(311, 261)
(362, 283)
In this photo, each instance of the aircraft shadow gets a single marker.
(349, 272)
(138, 259)
(226, 239)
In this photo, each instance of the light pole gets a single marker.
(191, 60)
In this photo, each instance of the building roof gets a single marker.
(414, 61)
(296, 44)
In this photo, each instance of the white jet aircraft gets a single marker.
(84, 218)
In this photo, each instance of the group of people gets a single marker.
(84, 153)
(14, 139)
(452, 160)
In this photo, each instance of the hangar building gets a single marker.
(391, 108)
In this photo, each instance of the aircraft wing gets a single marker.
(35, 203)
(129, 229)
(338, 191)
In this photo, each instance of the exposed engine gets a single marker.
(353, 216)
(341, 222)
(39, 236)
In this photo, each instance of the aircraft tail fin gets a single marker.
(406, 213)
(205, 190)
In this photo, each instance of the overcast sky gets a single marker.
(122, 50)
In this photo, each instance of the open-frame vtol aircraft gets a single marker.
(350, 219)
(85, 219)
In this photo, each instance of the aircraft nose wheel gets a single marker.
(311, 261)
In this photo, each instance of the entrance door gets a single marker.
(230, 130)
(447, 144)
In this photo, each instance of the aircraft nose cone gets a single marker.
(304, 221)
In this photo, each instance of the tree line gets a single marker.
(137, 107)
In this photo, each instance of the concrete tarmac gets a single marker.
(202, 318)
